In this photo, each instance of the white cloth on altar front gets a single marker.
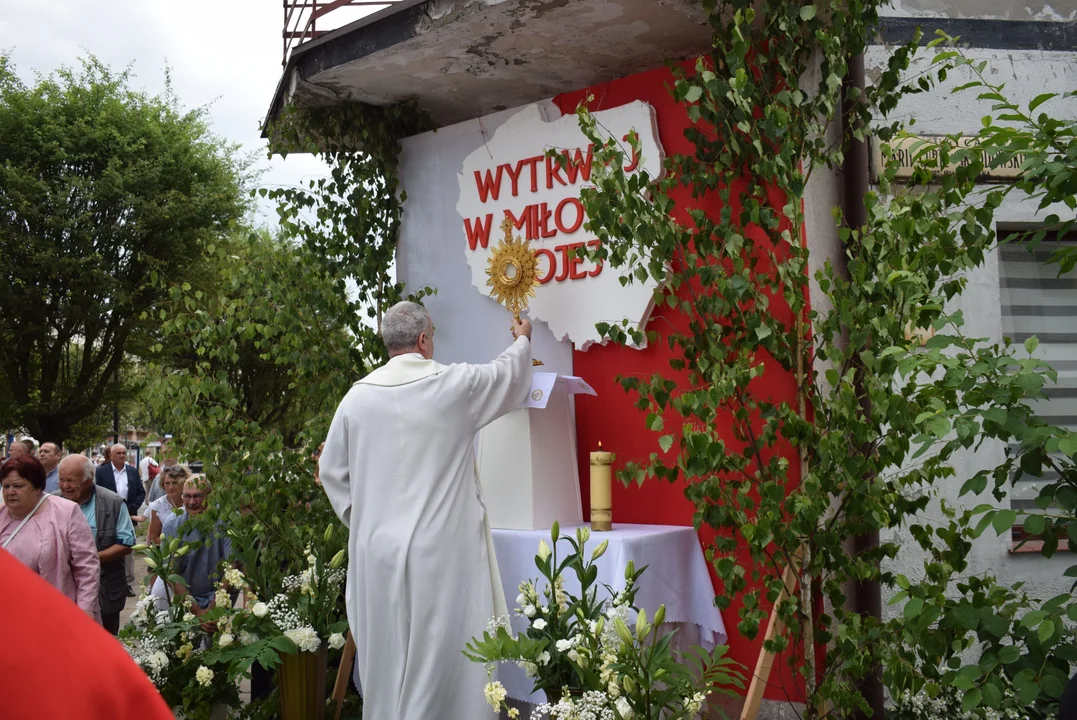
(399, 468)
(677, 576)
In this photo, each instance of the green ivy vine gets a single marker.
(881, 413)
(350, 219)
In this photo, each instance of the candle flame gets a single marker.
(599, 444)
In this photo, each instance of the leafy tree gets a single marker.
(251, 362)
(255, 330)
(881, 410)
(100, 186)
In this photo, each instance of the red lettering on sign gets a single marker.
(514, 176)
(520, 222)
(544, 229)
(635, 158)
(596, 244)
(479, 234)
(574, 262)
(552, 265)
(563, 249)
(553, 172)
(533, 161)
(577, 166)
(559, 217)
(489, 185)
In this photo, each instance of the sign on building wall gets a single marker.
(512, 177)
(909, 152)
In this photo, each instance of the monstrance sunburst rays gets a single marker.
(512, 273)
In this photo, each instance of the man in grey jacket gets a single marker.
(111, 526)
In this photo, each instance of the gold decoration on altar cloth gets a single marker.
(512, 273)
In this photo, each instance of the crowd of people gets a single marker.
(74, 523)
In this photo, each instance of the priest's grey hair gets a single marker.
(402, 325)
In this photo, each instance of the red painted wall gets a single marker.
(611, 417)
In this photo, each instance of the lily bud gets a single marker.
(583, 535)
(641, 624)
(600, 550)
(151, 563)
(328, 533)
(622, 631)
(600, 625)
(629, 683)
(660, 616)
(140, 547)
(183, 551)
(543, 550)
(174, 545)
(338, 559)
(630, 569)
(555, 531)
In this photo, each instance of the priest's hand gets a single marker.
(521, 327)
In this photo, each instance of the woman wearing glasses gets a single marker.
(172, 480)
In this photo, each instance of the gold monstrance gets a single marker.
(512, 273)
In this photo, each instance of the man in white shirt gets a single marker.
(122, 479)
(50, 455)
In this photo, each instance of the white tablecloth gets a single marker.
(676, 576)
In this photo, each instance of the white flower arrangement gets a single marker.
(947, 706)
(293, 612)
(306, 638)
(593, 704)
(495, 694)
(582, 653)
(204, 676)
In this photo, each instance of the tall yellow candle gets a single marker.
(601, 490)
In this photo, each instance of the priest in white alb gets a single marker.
(399, 469)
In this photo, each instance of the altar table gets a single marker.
(677, 577)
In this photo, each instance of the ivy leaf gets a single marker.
(807, 12)
(971, 700)
(1034, 524)
(1040, 100)
(913, 608)
(665, 442)
(1003, 520)
(1031, 344)
(1045, 630)
(1009, 655)
(694, 93)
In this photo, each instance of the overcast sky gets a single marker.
(224, 54)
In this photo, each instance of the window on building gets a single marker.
(1037, 301)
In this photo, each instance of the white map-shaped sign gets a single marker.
(510, 176)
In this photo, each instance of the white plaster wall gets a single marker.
(430, 250)
(1026, 74)
(983, 9)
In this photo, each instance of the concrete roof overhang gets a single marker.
(461, 59)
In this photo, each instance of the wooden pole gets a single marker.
(775, 627)
(340, 687)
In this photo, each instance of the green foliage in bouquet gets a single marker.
(584, 652)
(302, 617)
(170, 646)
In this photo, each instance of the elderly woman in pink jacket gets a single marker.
(48, 534)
